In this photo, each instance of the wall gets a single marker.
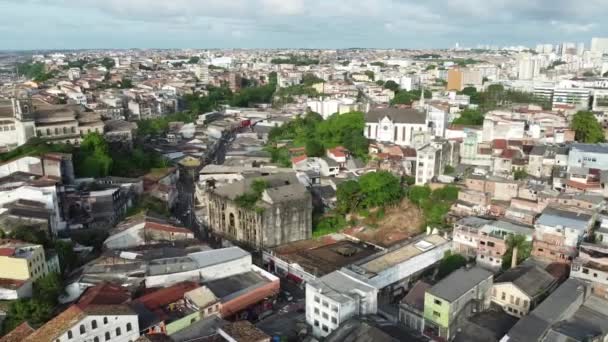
(182, 323)
(114, 322)
(513, 296)
(24, 291)
(240, 303)
(14, 268)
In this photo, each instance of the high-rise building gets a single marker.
(599, 45)
(580, 49)
(528, 68)
(455, 79)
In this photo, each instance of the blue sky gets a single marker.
(59, 24)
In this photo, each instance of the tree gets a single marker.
(194, 60)
(469, 91)
(520, 174)
(448, 169)
(94, 158)
(469, 117)
(519, 244)
(392, 85)
(48, 288)
(370, 74)
(418, 194)
(68, 259)
(379, 189)
(587, 128)
(107, 62)
(348, 196)
(380, 82)
(314, 149)
(450, 263)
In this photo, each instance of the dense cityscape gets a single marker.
(253, 195)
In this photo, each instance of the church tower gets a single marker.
(22, 107)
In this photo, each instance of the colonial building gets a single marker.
(395, 125)
(282, 212)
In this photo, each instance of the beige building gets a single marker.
(455, 80)
(22, 261)
(521, 288)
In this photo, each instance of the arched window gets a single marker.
(129, 327)
(96, 339)
(48, 131)
(70, 334)
(82, 329)
(107, 336)
(118, 331)
(65, 130)
(105, 320)
(94, 324)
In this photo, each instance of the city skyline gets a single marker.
(294, 24)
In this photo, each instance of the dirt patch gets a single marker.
(397, 224)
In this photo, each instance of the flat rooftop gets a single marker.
(234, 286)
(402, 254)
(327, 258)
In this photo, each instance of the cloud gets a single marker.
(322, 23)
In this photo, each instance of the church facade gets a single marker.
(395, 125)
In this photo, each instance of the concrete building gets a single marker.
(520, 289)
(455, 80)
(282, 211)
(591, 267)
(528, 68)
(394, 125)
(432, 158)
(557, 234)
(599, 45)
(335, 298)
(455, 298)
(571, 98)
(145, 231)
(590, 156)
(22, 261)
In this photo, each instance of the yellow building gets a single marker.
(455, 80)
(22, 261)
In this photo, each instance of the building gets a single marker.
(411, 308)
(492, 243)
(242, 331)
(335, 298)
(557, 234)
(432, 158)
(570, 313)
(591, 266)
(455, 80)
(599, 45)
(528, 68)
(455, 298)
(280, 213)
(574, 98)
(140, 231)
(99, 315)
(394, 125)
(589, 156)
(520, 289)
(393, 269)
(23, 261)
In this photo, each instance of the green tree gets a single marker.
(419, 194)
(392, 85)
(448, 170)
(469, 117)
(521, 244)
(370, 74)
(348, 196)
(380, 82)
(68, 259)
(379, 189)
(520, 174)
(329, 225)
(314, 149)
(48, 288)
(107, 62)
(450, 263)
(587, 128)
(194, 60)
(94, 158)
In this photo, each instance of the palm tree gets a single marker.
(518, 250)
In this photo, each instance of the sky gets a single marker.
(86, 24)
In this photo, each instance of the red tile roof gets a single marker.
(18, 334)
(338, 151)
(298, 159)
(166, 228)
(508, 154)
(104, 294)
(7, 251)
(499, 144)
(166, 296)
(57, 326)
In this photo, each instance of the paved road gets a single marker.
(185, 208)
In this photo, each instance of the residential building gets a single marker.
(99, 315)
(591, 266)
(455, 80)
(335, 298)
(571, 98)
(432, 158)
(599, 45)
(520, 289)
(411, 307)
(492, 243)
(242, 331)
(282, 214)
(139, 231)
(557, 234)
(22, 261)
(589, 156)
(455, 298)
(394, 125)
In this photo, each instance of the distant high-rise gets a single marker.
(580, 49)
(528, 68)
(455, 79)
(599, 45)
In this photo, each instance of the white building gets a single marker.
(438, 121)
(528, 68)
(571, 97)
(394, 125)
(432, 158)
(335, 298)
(332, 106)
(599, 45)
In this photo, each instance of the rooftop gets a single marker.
(459, 282)
(554, 217)
(397, 115)
(244, 331)
(234, 286)
(532, 280)
(337, 285)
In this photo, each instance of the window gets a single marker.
(325, 304)
(317, 300)
(82, 329)
(334, 308)
(129, 327)
(96, 339)
(503, 296)
(105, 320)
(107, 336)
(325, 328)
(436, 314)
(316, 323)
(525, 303)
(585, 270)
(325, 315)
(118, 331)
(511, 299)
(517, 301)
(94, 324)
(70, 334)
(334, 320)
(316, 311)
(437, 302)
